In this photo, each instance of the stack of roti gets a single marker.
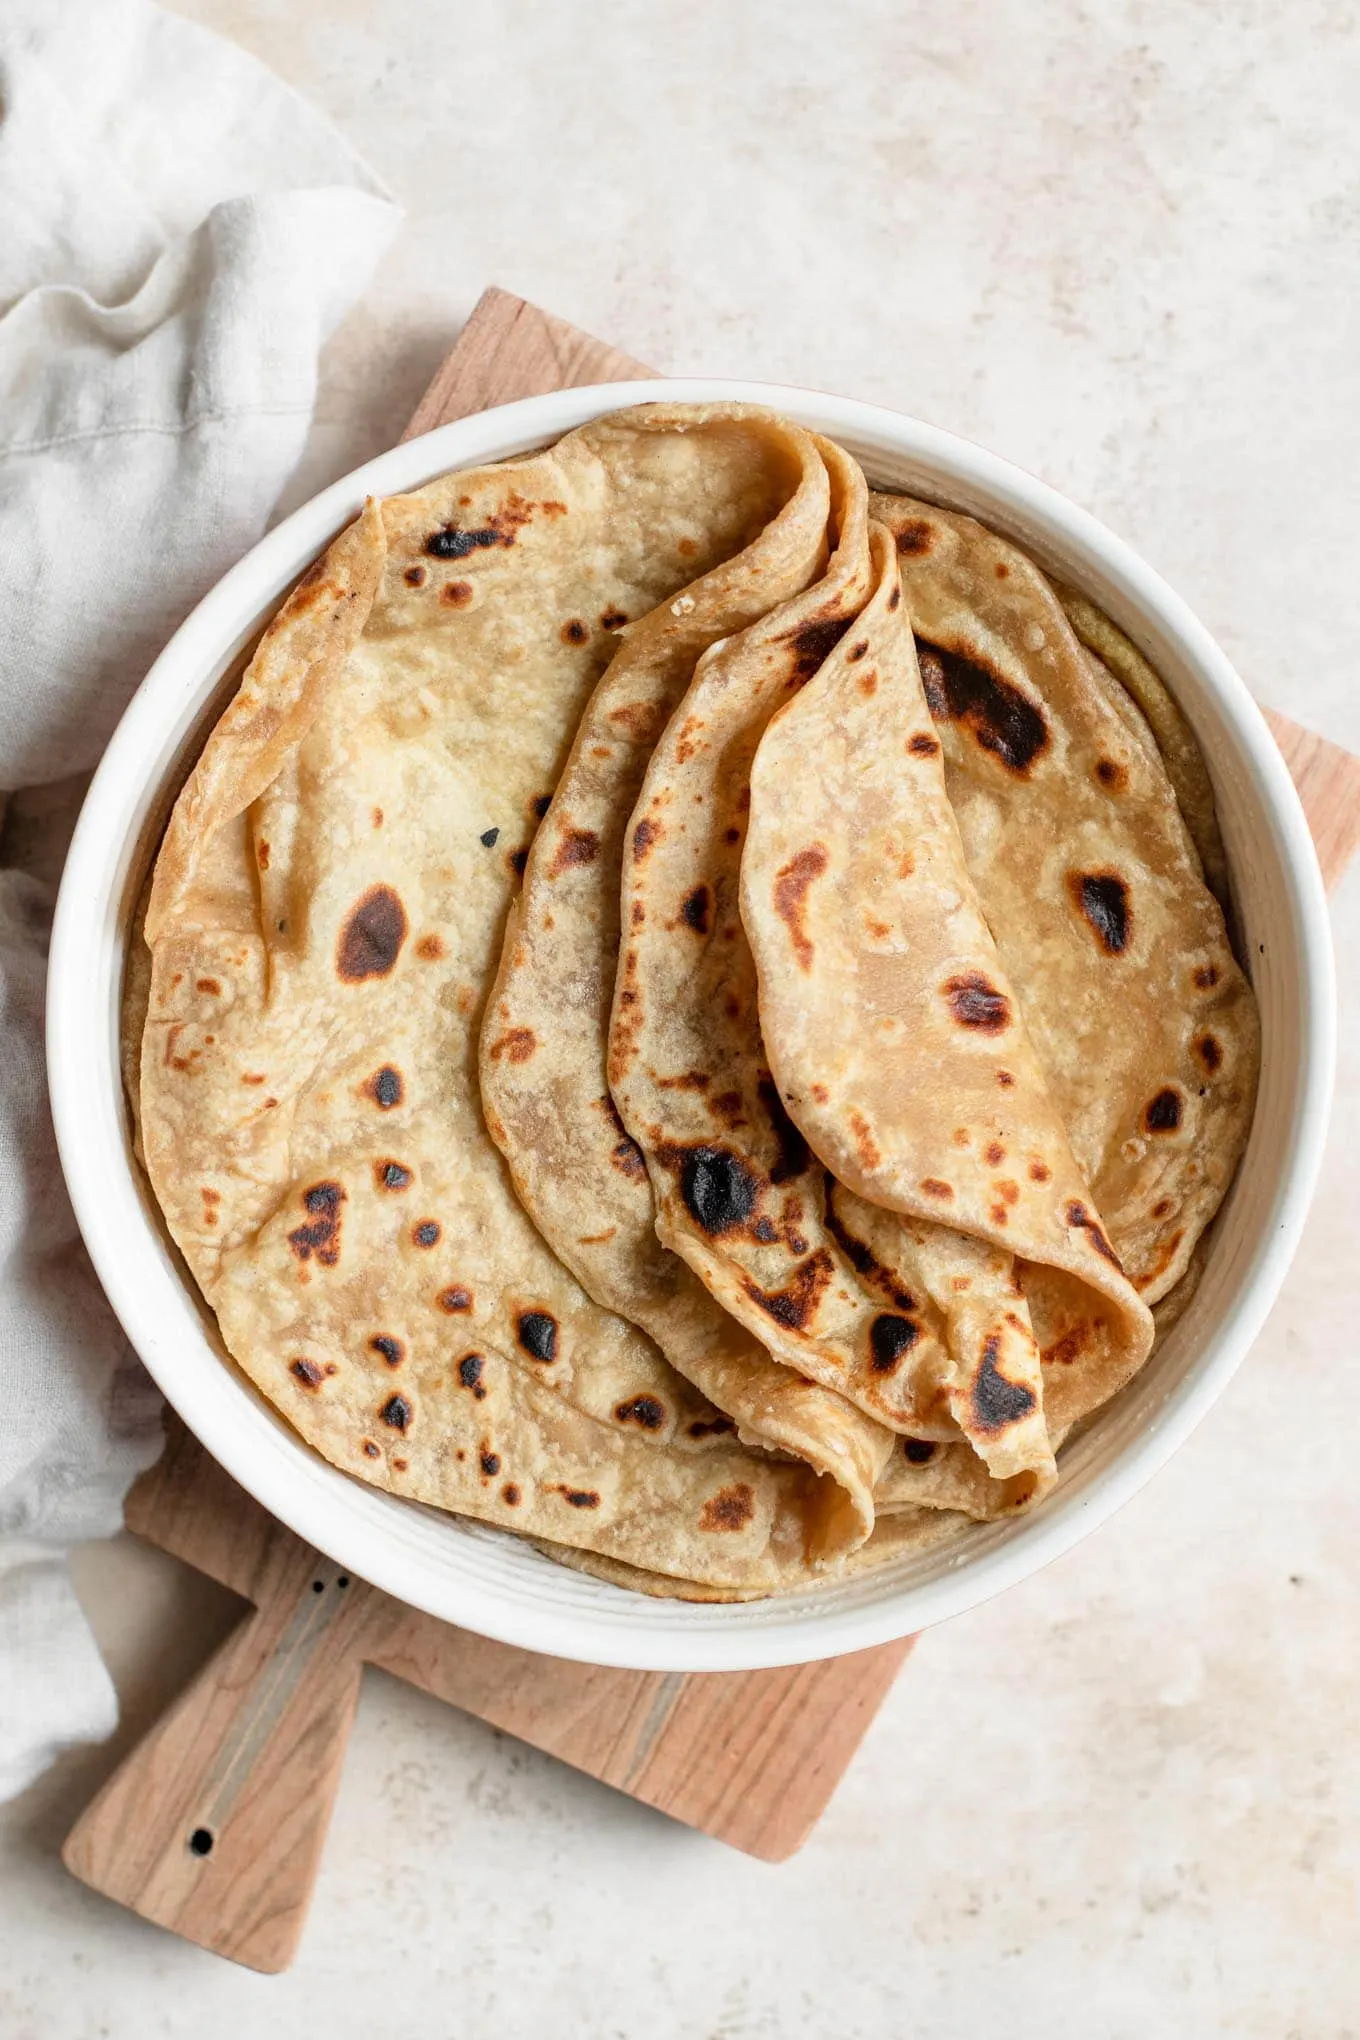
(685, 1008)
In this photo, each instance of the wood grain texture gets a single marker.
(214, 1825)
(751, 1758)
(251, 1753)
(510, 349)
(1328, 781)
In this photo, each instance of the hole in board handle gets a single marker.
(201, 1841)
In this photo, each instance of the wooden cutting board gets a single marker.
(214, 1825)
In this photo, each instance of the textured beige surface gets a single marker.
(1117, 245)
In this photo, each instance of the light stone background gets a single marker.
(1116, 242)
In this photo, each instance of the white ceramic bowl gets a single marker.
(493, 1583)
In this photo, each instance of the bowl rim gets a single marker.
(77, 1036)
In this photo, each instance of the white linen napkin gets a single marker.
(179, 233)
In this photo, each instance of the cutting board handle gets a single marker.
(214, 1825)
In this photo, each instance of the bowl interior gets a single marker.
(488, 1581)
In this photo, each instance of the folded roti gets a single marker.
(898, 1043)
(920, 1323)
(544, 1082)
(325, 918)
(1091, 881)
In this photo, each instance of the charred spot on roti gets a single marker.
(385, 1088)
(371, 939)
(1081, 1220)
(795, 1304)
(308, 1373)
(490, 1462)
(922, 745)
(388, 1349)
(791, 886)
(470, 1374)
(579, 1498)
(732, 835)
(858, 650)
(1163, 1208)
(814, 642)
(1209, 1049)
(211, 985)
(574, 847)
(915, 536)
(895, 599)
(934, 1186)
(766, 1231)
(371, 1451)
(695, 908)
(730, 1509)
(426, 1233)
(455, 542)
(891, 1338)
(975, 1002)
(392, 1175)
(627, 1158)
(995, 1153)
(488, 837)
(510, 1494)
(456, 1299)
(644, 1410)
(996, 1401)
(517, 1045)
(1112, 775)
(920, 1451)
(719, 1191)
(1005, 1079)
(866, 1147)
(1102, 898)
(321, 1235)
(727, 1106)
(536, 1331)
(456, 594)
(1003, 721)
(397, 1413)
(417, 575)
(1068, 1347)
(687, 742)
(791, 1157)
(710, 1427)
(430, 948)
(645, 834)
(1205, 976)
(517, 859)
(643, 720)
(1164, 1112)
(575, 631)
(539, 805)
(613, 618)
(1039, 1172)
(1166, 1255)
